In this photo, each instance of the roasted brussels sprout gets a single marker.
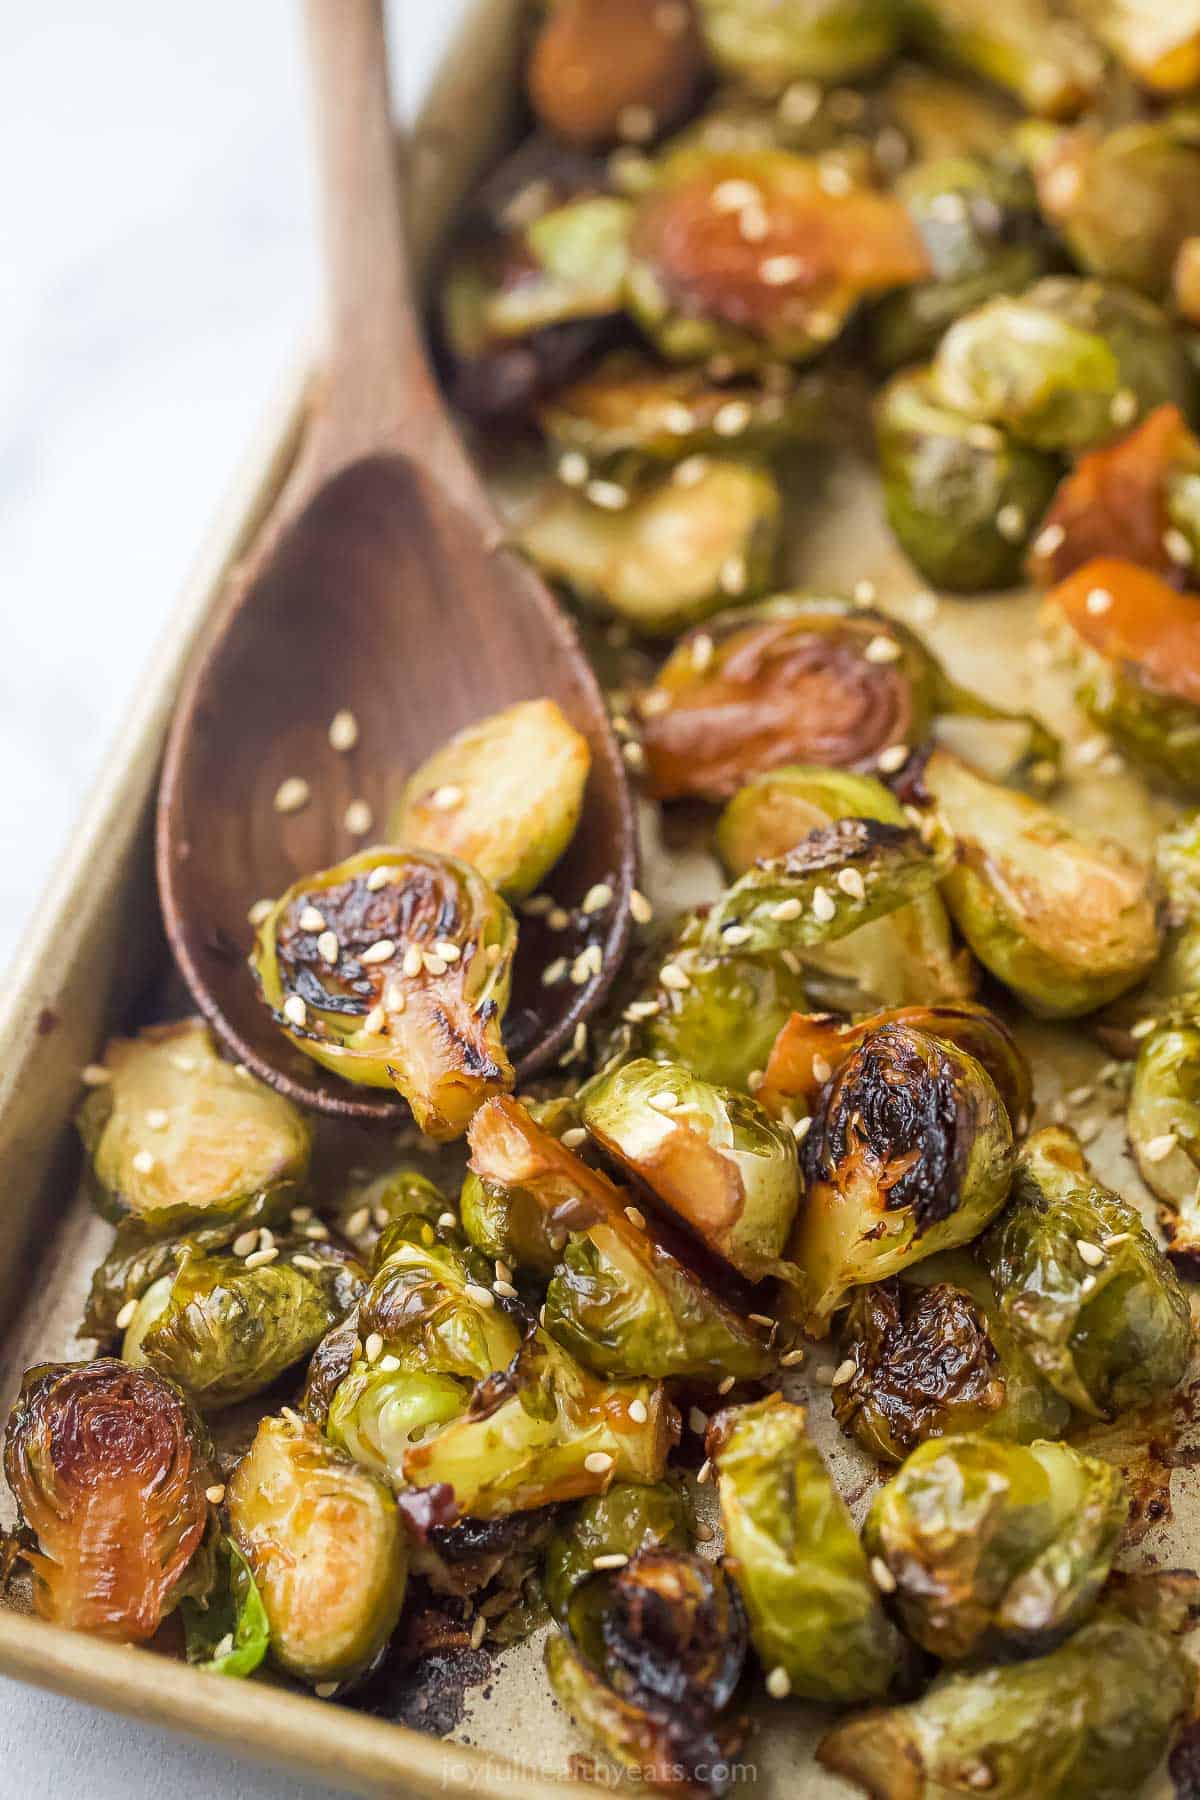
(996, 1549)
(1091, 1720)
(1176, 975)
(649, 1664)
(393, 970)
(177, 1136)
(1066, 366)
(1066, 922)
(368, 1205)
(228, 1632)
(930, 1355)
(1134, 499)
(521, 776)
(764, 46)
(979, 223)
(962, 498)
(603, 70)
(1123, 201)
(1082, 1285)
(941, 115)
(628, 1518)
(713, 1156)
(1136, 640)
(1158, 44)
(506, 1220)
(812, 1046)
(700, 285)
(1164, 1132)
(1025, 46)
(224, 1330)
(109, 1468)
(620, 1300)
(546, 1430)
(910, 1153)
(815, 1611)
(326, 1548)
(671, 552)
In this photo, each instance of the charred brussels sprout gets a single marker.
(1137, 644)
(1159, 45)
(815, 1611)
(713, 1156)
(699, 285)
(1082, 1285)
(353, 963)
(1025, 46)
(601, 70)
(649, 1664)
(963, 498)
(109, 1467)
(623, 1521)
(506, 1219)
(1065, 366)
(764, 46)
(521, 776)
(931, 1355)
(1066, 922)
(620, 1299)
(326, 1548)
(996, 1549)
(179, 1137)
(1164, 1133)
(1088, 1722)
(979, 224)
(546, 1430)
(228, 1632)
(225, 1331)
(910, 1153)
(670, 552)
(366, 1207)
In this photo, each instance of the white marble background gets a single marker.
(157, 271)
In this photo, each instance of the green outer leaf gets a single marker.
(234, 1612)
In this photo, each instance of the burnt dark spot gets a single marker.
(1183, 1763)
(428, 1692)
(474, 1537)
(675, 1630)
(47, 1021)
(846, 841)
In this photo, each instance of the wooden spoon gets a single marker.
(381, 585)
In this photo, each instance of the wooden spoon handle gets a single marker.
(382, 394)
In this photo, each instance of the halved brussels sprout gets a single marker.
(224, 1331)
(910, 1153)
(177, 1136)
(675, 549)
(764, 46)
(630, 407)
(521, 775)
(1091, 1719)
(1157, 41)
(628, 1518)
(1083, 1286)
(1164, 1133)
(1066, 922)
(906, 956)
(393, 969)
(546, 1430)
(1025, 46)
(1123, 201)
(1176, 975)
(713, 1156)
(367, 1206)
(1136, 640)
(962, 498)
(996, 1549)
(812, 1046)
(931, 1355)
(109, 1468)
(505, 1219)
(815, 1611)
(649, 1664)
(979, 223)
(326, 1548)
(603, 70)
(1132, 499)
(1066, 366)
(228, 1632)
(620, 1300)
(700, 285)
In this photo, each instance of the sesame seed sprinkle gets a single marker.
(610, 496)
(844, 1372)
(882, 1576)
(1098, 601)
(787, 910)
(215, 1494)
(615, 1559)
(381, 951)
(893, 758)
(343, 730)
(482, 1296)
(95, 1075)
(376, 1019)
(358, 818)
(260, 1258)
(311, 919)
(780, 271)
(292, 795)
(851, 882)
(598, 1462)
(327, 946)
(125, 1316)
(824, 905)
(640, 908)
(262, 909)
(636, 1217)
(554, 972)
(597, 897)
(445, 799)
(1159, 1147)
(672, 976)
(1089, 1253)
(882, 650)
(779, 1683)
(143, 1162)
(573, 468)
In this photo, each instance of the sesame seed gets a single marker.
(1048, 541)
(95, 1075)
(704, 1473)
(554, 972)
(753, 224)
(984, 437)
(697, 1421)
(787, 910)
(358, 818)
(667, 1101)
(158, 1119)
(215, 1494)
(924, 608)
(882, 1576)
(143, 1162)
(800, 103)
(1159, 1147)
(307, 1262)
(732, 418)
(381, 951)
(801, 1129)
(779, 271)
(433, 965)
(733, 575)
(1091, 750)
(445, 799)
(506, 1289)
(654, 704)
(295, 1011)
(597, 898)
(672, 976)
(844, 1372)
(324, 1689)
(851, 882)
(791, 1359)
(979, 1776)
(1011, 523)
(737, 934)
(291, 795)
(893, 758)
(882, 650)
(373, 1347)
(411, 962)
(678, 419)
(613, 1560)
(732, 195)
(343, 730)
(376, 1019)
(636, 1217)
(824, 905)
(573, 468)
(1098, 601)
(1087, 1129)
(1124, 408)
(478, 1631)
(316, 1231)
(754, 1080)
(634, 755)
(638, 1412)
(640, 907)
(1089, 1253)
(1142, 1028)
(864, 593)
(641, 1009)
(690, 471)
(834, 179)
(125, 1316)
(358, 1221)
(327, 946)
(480, 1295)
(262, 1257)
(779, 1683)
(262, 909)
(1117, 1237)
(447, 1222)
(760, 1319)
(598, 1462)
(610, 496)
(387, 1365)
(243, 1245)
(311, 919)
(637, 124)
(1177, 546)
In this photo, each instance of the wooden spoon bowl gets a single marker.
(382, 586)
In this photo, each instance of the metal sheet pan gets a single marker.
(97, 955)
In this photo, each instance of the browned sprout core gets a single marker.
(606, 70)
